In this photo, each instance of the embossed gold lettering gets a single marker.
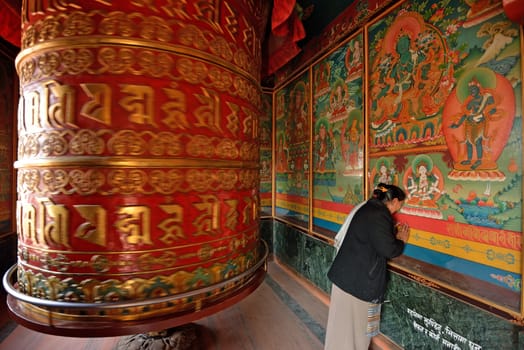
(31, 7)
(233, 118)
(208, 11)
(94, 228)
(250, 123)
(135, 221)
(53, 222)
(250, 210)
(139, 103)
(27, 215)
(232, 214)
(175, 109)
(176, 8)
(99, 107)
(207, 222)
(62, 112)
(32, 110)
(172, 225)
(208, 115)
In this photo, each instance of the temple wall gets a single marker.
(389, 97)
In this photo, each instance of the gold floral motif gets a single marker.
(55, 181)
(150, 28)
(155, 28)
(127, 181)
(48, 63)
(53, 145)
(249, 179)
(127, 142)
(130, 142)
(166, 143)
(86, 142)
(156, 65)
(167, 182)
(200, 180)
(201, 146)
(48, 29)
(115, 61)
(75, 62)
(117, 23)
(86, 182)
(78, 23)
(222, 48)
(227, 179)
(133, 181)
(28, 146)
(29, 181)
(27, 72)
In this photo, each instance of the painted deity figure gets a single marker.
(282, 154)
(403, 69)
(478, 108)
(299, 111)
(323, 147)
(351, 145)
(423, 183)
(339, 102)
(384, 175)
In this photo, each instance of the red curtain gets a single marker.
(286, 30)
(10, 21)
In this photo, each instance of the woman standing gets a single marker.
(359, 270)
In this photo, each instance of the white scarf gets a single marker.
(339, 238)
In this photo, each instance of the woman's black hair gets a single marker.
(386, 193)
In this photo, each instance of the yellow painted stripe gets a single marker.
(265, 202)
(299, 208)
(497, 257)
(330, 215)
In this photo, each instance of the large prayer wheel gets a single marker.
(137, 163)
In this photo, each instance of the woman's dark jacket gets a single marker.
(360, 267)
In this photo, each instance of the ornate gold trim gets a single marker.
(126, 162)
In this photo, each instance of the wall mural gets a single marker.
(292, 167)
(265, 155)
(338, 129)
(445, 124)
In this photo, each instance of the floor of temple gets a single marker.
(284, 313)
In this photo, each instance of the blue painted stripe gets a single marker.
(329, 225)
(462, 266)
(318, 330)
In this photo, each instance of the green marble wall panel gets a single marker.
(415, 316)
(418, 317)
(266, 233)
(308, 256)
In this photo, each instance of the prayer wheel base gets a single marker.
(178, 338)
(21, 313)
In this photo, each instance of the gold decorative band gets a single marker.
(123, 162)
(104, 41)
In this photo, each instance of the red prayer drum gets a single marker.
(138, 163)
